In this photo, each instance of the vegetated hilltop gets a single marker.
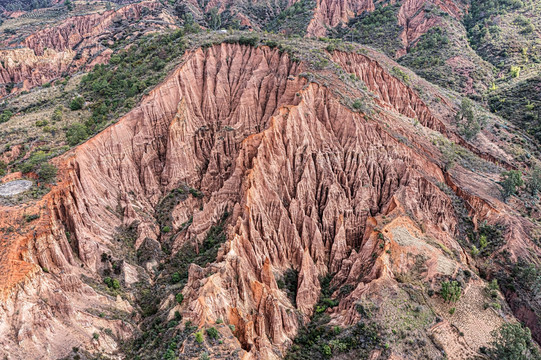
(271, 198)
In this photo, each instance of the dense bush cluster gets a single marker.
(294, 19)
(512, 341)
(379, 29)
(487, 239)
(427, 49)
(114, 88)
(520, 103)
(479, 20)
(318, 340)
(38, 164)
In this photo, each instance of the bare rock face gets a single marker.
(309, 183)
(71, 45)
(330, 13)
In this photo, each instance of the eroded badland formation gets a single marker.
(211, 193)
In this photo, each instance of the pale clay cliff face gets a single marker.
(306, 181)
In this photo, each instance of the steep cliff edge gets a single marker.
(310, 181)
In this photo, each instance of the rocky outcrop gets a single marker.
(330, 13)
(309, 183)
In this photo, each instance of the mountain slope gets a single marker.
(301, 170)
(172, 189)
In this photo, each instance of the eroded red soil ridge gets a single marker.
(309, 183)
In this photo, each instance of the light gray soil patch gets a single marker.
(15, 187)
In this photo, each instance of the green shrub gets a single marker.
(199, 337)
(31, 217)
(534, 181)
(111, 283)
(57, 114)
(357, 104)
(450, 291)
(76, 133)
(213, 333)
(511, 181)
(175, 278)
(77, 103)
(179, 297)
(5, 116)
(468, 124)
(515, 71)
(196, 193)
(512, 341)
(69, 5)
(528, 29)
(483, 242)
(397, 72)
(249, 40)
(47, 173)
(327, 350)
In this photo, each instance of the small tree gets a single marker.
(515, 71)
(213, 333)
(512, 180)
(57, 114)
(179, 297)
(469, 126)
(534, 180)
(76, 133)
(69, 5)
(199, 337)
(77, 103)
(450, 291)
(115, 284)
(449, 155)
(175, 278)
(47, 173)
(512, 341)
